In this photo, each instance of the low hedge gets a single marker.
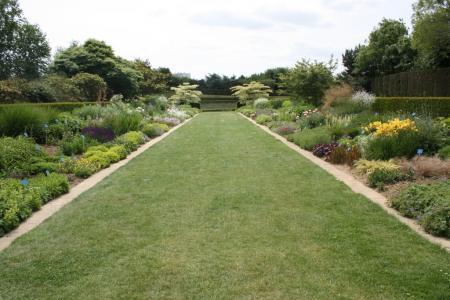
(61, 106)
(431, 106)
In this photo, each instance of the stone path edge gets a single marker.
(55, 205)
(357, 187)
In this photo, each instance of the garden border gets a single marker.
(357, 187)
(55, 205)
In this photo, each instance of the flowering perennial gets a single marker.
(390, 128)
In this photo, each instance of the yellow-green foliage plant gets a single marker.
(367, 167)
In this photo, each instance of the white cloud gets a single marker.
(227, 37)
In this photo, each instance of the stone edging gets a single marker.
(55, 205)
(358, 187)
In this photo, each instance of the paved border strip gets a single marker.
(357, 187)
(55, 205)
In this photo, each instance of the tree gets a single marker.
(186, 93)
(308, 80)
(24, 50)
(91, 86)
(430, 35)
(348, 60)
(249, 92)
(154, 81)
(96, 57)
(271, 78)
(389, 51)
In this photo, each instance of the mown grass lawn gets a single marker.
(221, 210)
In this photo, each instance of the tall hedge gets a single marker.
(431, 106)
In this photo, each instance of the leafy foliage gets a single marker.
(429, 203)
(308, 80)
(249, 92)
(186, 93)
(24, 50)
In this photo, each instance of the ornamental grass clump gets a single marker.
(395, 138)
(308, 138)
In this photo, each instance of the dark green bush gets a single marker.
(380, 177)
(428, 203)
(75, 144)
(428, 106)
(308, 138)
(444, 153)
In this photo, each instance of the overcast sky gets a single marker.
(210, 36)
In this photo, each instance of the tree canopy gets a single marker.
(309, 80)
(24, 50)
(249, 92)
(186, 93)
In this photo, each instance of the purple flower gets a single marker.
(99, 133)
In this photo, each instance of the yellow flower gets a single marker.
(390, 128)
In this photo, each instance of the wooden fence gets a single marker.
(433, 83)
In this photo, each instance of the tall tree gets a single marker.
(309, 80)
(154, 81)
(348, 60)
(388, 51)
(96, 57)
(24, 50)
(431, 33)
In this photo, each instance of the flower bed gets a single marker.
(385, 150)
(83, 142)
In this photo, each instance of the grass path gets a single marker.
(221, 210)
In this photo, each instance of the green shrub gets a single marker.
(308, 138)
(433, 135)
(75, 145)
(263, 119)
(50, 186)
(17, 202)
(429, 203)
(380, 177)
(43, 167)
(15, 156)
(84, 168)
(15, 121)
(276, 103)
(444, 153)
(131, 140)
(246, 111)
(261, 103)
(428, 106)
(120, 150)
(154, 129)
